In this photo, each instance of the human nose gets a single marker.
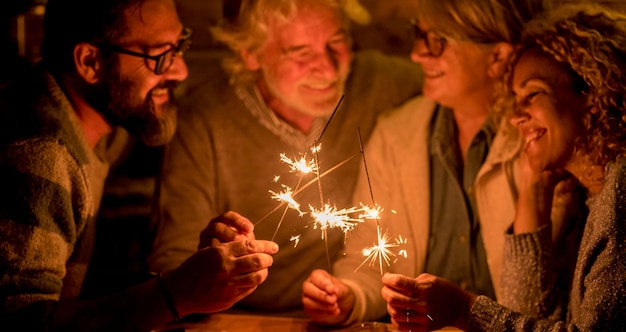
(326, 64)
(518, 117)
(178, 71)
(420, 50)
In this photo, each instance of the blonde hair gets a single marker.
(591, 41)
(487, 21)
(254, 25)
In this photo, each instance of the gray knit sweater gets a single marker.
(597, 296)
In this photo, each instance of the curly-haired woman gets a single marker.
(568, 80)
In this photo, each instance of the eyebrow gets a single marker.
(163, 44)
(341, 32)
(534, 76)
(293, 49)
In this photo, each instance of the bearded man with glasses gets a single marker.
(115, 67)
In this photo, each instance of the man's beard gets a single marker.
(116, 99)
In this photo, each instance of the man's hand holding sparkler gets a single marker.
(230, 226)
(216, 277)
(327, 300)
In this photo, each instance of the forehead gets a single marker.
(535, 64)
(309, 22)
(155, 20)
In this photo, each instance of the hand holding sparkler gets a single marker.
(230, 226)
(426, 303)
(215, 278)
(327, 300)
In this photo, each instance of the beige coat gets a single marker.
(397, 158)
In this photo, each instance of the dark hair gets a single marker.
(69, 22)
(591, 41)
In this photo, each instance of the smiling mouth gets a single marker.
(433, 74)
(533, 136)
(161, 93)
(320, 87)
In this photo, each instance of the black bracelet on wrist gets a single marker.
(167, 296)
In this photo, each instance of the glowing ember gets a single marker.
(295, 239)
(316, 148)
(301, 165)
(381, 251)
(370, 213)
(287, 197)
(401, 241)
(331, 217)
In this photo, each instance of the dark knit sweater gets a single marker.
(50, 187)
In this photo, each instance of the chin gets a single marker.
(436, 98)
(161, 130)
(319, 112)
(325, 107)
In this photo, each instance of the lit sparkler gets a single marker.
(381, 251)
(371, 213)
(326, 217)
(301, 165)
(302, 187)
(331, 217)
(287, 196)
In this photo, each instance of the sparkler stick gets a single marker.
(316, 148)
(367, 174)
(381, 250)
(319, 139)
(369, 184)
(319, 180)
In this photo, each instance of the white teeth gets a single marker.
(534, 135)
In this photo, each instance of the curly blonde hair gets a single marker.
(255, 22)
(591, 41)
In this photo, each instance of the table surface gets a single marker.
(223, 322)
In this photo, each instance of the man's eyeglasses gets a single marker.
(435, 43)
(163, 61)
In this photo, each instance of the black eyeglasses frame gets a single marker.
(435, 44)
(160, 60)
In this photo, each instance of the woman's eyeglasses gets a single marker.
(435, 44)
